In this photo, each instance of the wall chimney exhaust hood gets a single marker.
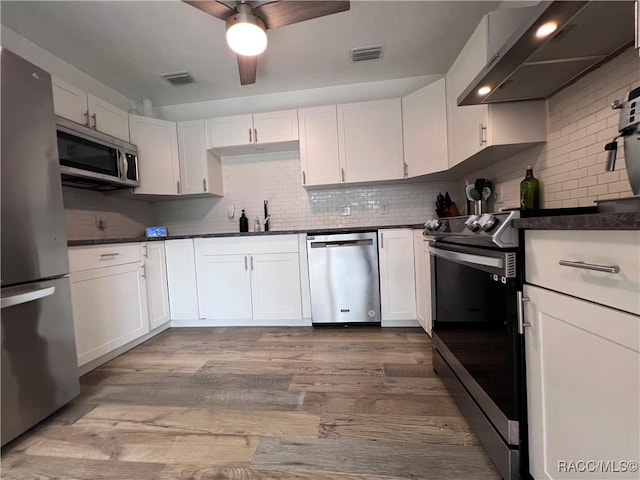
(534, 67)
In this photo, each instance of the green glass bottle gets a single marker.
(530, 191)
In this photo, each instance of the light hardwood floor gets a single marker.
(259, 404)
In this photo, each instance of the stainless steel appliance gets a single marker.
(39, 369)
(93, 160)
(344, 278)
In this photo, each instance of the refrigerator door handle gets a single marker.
(26, 297)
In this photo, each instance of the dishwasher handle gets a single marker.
(343, 243)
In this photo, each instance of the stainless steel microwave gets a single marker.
(93, 160)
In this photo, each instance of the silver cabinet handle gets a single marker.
(86, 118)
(178, 186)
(255, 135)
(381, 239)
(204, 184)
(250, 141)
(109, 255)
(144, 271)
(406, 169)
(146, 251)
(483, 137)
(590, 266)
(26, 297)
(95, 121)
(304, 178)
(342, 170)
(246, 267)
(251, 262)
(521, 323)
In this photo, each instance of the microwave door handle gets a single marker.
(119, 161)
(125, 167)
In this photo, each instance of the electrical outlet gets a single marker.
(384, 208)
(500, 195)
(345, 210)
(101, 223)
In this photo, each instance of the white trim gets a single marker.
(204, 322)
(400, 323)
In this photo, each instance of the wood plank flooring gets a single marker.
(258, 404)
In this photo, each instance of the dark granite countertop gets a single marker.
(592, 221)
(104, 241)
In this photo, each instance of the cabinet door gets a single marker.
(108, 118)
(224, 287)
(181, 279)
(109, 309)
(274, 127)
(155, 269)
(397, 276)
(69, 101)
(158, 166)
(424, 128)
(467, 125)
(423, 281)
(583, 384)
(230, 131)
(370, 140)
(319, 145)
(192, 147)
(275, 286)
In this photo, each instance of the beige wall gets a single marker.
(570, 166)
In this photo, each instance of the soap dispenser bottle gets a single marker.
(244, 223)
(256, 225)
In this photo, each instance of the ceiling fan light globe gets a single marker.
(246, 39)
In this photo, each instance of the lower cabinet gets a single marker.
(155, 272)
(423, 281)
(583, 387)
(397, 277)
(109, 304)
(251, 281)
(181, 279)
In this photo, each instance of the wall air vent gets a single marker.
(361, 54)
(178, 78)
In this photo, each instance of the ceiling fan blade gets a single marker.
(285, 12)
(217, 9)
(247, 67)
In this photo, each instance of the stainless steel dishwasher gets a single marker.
(343, 272)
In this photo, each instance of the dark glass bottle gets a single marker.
(244, 223)
(530, 191)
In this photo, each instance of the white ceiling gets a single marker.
(128, 44)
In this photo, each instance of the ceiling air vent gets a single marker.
(360, 54)
(178, 78)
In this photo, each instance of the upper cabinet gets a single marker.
(487, 132)
(355, 142)
(158, 165)
(424, 129)
(81, 107)
(250, 133)
(200, 170)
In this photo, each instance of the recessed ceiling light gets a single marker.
(484, 90)
(546, 29)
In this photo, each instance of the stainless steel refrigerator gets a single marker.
(39, 366)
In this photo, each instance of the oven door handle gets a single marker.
(468, 258)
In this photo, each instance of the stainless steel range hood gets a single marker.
(530, 68)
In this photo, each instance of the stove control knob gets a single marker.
(436, 224)
(487, 222)
(473, 223)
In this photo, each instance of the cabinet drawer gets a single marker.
(89, 257)
(545, 249)
(247, 245)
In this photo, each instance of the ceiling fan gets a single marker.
(247, 23)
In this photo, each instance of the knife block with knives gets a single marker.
(445, 207)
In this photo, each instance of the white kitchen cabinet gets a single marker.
(319, 156)
(200, 170)
(109, 299)
(81, 107)
(424, 129)
(370, 141)
(271, 131)
(249, 280)
(397, 276)
(487, 132)
(583, 385)
(181, 279)
(423, 281)
(155, 273)
(158, 163)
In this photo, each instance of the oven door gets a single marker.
(476, 328)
